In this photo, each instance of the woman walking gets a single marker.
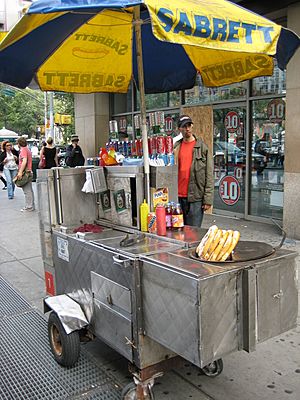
(25, 164)
(50, 154)
(9, 158)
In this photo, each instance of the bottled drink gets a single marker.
(169, 216)
(160, 213)
(177, 218)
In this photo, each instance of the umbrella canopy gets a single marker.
(6, 133)
(86, 46)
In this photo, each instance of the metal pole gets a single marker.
(139, 55)
(45, 113)
(51, 107)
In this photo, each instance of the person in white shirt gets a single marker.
(9, 159)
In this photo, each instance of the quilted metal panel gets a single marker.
(74, 277)
(111, 293)
(170, 309)
(113, 328)
(218, 317)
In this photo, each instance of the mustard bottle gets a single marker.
(144, 211)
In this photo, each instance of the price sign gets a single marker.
(232, 121)
(169, 125)
(276, 110)
(229, 190)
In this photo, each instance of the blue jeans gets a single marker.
(192, 212)
(9, 176)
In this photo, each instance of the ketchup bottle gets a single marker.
(160, 213)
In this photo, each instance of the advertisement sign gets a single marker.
(232, 121)
(229, 190)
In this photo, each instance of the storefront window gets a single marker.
(200, 94)
(229, 159)
(275, 84)
(267, 173)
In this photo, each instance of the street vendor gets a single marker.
(195, 173)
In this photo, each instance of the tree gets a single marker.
(21, 110)
(64, 104)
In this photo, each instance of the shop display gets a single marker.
(217, 244)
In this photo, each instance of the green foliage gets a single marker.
(64, 104)
(21, 112)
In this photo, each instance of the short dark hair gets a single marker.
(22, 141)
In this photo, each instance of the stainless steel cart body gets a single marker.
(152, 301)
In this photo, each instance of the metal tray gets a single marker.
(244, 251)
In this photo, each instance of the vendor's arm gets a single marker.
(209, 182)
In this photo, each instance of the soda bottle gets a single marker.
(177, 218)
(169, 216)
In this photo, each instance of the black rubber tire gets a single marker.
(129, 390)
(65, 348)
(213, 369)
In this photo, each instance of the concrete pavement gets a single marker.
(271, 372)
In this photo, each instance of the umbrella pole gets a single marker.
(139, 54)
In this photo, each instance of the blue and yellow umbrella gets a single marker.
(88, 46)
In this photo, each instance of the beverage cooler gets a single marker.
(147, 296)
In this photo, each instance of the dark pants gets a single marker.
(192, 212)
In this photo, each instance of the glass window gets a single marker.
(267, 173)
(275, 84)
(200, 94)
(229, 159)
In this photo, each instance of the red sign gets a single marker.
(276, 110)
(232, 121)
(169, 125)
(229, 190)
(49, 281)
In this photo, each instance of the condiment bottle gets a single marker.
(169, 216)
(177, 218)
(160, 213)
(144, 211)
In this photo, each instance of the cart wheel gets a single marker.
(129, 392)
(65, 348)
(213, 369)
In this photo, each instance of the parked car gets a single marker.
(234, 156)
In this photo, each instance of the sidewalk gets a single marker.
(271, 372)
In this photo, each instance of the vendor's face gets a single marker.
(187, 131)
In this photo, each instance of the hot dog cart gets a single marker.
(147, 296)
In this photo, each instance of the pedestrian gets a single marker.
(34, 150)
(195, 173)
(50, 153)
(1, 172)
(25, 164)
(74, 156)
(9, 159)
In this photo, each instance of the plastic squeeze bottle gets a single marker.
(144, 211)
(161, 227)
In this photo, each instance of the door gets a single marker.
(229, 152)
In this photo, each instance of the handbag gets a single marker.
(42, 163)
(26, 177)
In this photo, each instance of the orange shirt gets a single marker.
(185, 158)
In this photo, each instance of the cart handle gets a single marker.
(117, 260)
